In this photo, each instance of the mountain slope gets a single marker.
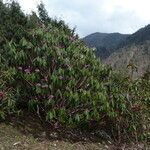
(138, 37)
(95, 39)
(105, 43)
(138, 55)
(135, 50)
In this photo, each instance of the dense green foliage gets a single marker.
(13, 21)
(7, 98)
(48, 70)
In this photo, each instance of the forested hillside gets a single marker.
(138, 37)
(135, 50)
(134, 55)
(105, 43)
(46, 70)
(119, 50)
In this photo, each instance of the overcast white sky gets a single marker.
(124, 16)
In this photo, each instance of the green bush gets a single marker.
(131, 100)
(7, 98)
(46, 68)
(60, 79)
(58, 76)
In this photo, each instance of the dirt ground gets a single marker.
(23, 134)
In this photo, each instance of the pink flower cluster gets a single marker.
(28, 70)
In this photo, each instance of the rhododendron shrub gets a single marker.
(61, 80)
(7, 93)
(57, 75)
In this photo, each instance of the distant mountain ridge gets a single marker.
(138, 37)
(105, 43)
(120, 50)
(135, 50)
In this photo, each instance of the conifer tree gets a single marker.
(43, 14)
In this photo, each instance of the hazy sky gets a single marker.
(88, 16)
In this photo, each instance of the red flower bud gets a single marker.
(1, 94)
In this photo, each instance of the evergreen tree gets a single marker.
(43, 14)
(12, 21)
(33, 20)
